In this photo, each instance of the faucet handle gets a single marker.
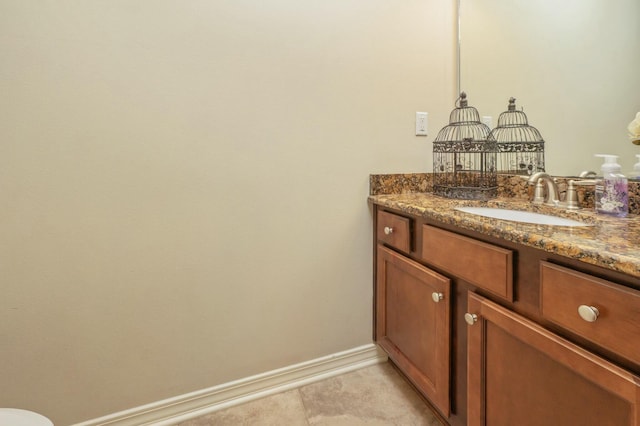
(572, 197)
(538, 194)
(587, 174)
(583, 182)
(572, 202)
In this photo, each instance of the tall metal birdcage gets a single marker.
(464, 156)
(520, 146)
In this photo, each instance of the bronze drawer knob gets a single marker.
(588, 313)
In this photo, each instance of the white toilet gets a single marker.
(17, 417)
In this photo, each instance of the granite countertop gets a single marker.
(612, 243)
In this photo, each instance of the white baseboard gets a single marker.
(184, 407)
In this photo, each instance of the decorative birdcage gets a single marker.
(464, 156)
(520, 146)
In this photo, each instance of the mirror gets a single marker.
(572, 65)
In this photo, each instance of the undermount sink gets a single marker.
(521, 216)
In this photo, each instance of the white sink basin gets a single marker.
(521, 216)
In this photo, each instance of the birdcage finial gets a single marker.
(463, 100)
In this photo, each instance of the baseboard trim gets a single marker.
(184, 407)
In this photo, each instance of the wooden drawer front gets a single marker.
(394, 230)
(617, 326)
(485, 265)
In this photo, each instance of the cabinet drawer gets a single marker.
(614, 327)
(487, 266)
(394, 230)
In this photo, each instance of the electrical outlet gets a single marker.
(422, 122)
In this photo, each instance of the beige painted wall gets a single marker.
(183, 185)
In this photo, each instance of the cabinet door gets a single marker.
(521, 374)
(413, 323)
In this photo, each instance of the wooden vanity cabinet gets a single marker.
(527, 358)
(520, 373)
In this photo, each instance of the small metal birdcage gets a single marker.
(520, 146)
(464, 156)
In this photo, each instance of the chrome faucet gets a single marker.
(542, 181)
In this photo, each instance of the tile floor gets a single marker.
(375, 395)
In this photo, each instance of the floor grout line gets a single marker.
(304, 406)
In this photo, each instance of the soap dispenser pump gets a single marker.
(635, 174)
(612, 193)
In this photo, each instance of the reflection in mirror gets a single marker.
(573, 67)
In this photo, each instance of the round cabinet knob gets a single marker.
(388, 230)
(437, 296)
(470, 318)
(588, 313)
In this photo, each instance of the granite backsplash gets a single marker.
(509, 186)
